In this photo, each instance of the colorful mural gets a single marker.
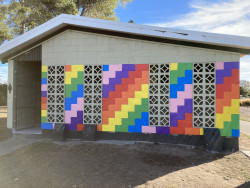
(227, 98)
(125, 98)
(171, 89)
(74, 97)
(44, 82)
(181, 99)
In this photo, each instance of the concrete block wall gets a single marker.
(74, 48)
(78, 48)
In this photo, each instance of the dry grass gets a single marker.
(244, 102)
(3, 111)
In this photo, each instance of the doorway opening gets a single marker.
(27, 99)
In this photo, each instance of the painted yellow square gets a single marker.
(74, 74)
(219, 121)
(121, 114)
(76, 68)
(68, 75)
(227, 117)
(44, 68)
(128, 108)
(235, 103)
(44, 113)
(108, 128)
(173, 66)
(68, 81)
(115, 121)
(134, 101)
(201, 131)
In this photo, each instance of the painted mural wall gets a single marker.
(174, 98)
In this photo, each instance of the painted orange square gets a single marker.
(67, 68)
(145, 76)
(44, 106)
(192, 131)
(80, 127)
(114, 94)
(139, 81)
(122, 100)
(99, 128)
(177, 130)
(142, 67)
(44, 100)
(129, 94)
(137, 87)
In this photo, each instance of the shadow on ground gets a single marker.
(76, 164)
(3, 129)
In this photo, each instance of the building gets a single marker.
(139, 82)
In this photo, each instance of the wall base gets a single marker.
(210, 140)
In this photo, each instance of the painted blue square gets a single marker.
(235, 133)
(44, 81)
(47, 125)
(105, 67)
(144, 119)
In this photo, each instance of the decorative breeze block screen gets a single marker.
(204, 95)
(92, 94)
(159, 94)
(55, 94)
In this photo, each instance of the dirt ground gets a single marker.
(76, 164)
(245, 113)
(3, 123)
(79, 164)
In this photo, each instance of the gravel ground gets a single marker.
(245, 113)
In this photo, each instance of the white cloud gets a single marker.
(3, 73)
(226, 17)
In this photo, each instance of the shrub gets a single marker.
(245, 102)
(3, 95)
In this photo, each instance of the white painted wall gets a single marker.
(10, 96)
(76, 47)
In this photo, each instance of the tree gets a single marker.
(3, 94)
(244, 88)
(131, 21)
(19, 16)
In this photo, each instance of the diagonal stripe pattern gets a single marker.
(73, 96)
(181, 99)
(227, 98)
(125, 97)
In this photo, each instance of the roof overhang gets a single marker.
(63, 22)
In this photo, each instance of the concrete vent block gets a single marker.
(59, 132)
(89, 133)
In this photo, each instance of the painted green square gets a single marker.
(44, 74)
(44, 120)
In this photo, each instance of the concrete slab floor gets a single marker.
(247, 153)
(35, 130)
(12, 144)
(245, 127)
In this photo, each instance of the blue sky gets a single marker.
(3, 72)
(218, 16)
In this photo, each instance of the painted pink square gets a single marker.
(147, 129)
(219, 65)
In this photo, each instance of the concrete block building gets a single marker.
(129, 81)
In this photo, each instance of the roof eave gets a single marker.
(59, 22)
